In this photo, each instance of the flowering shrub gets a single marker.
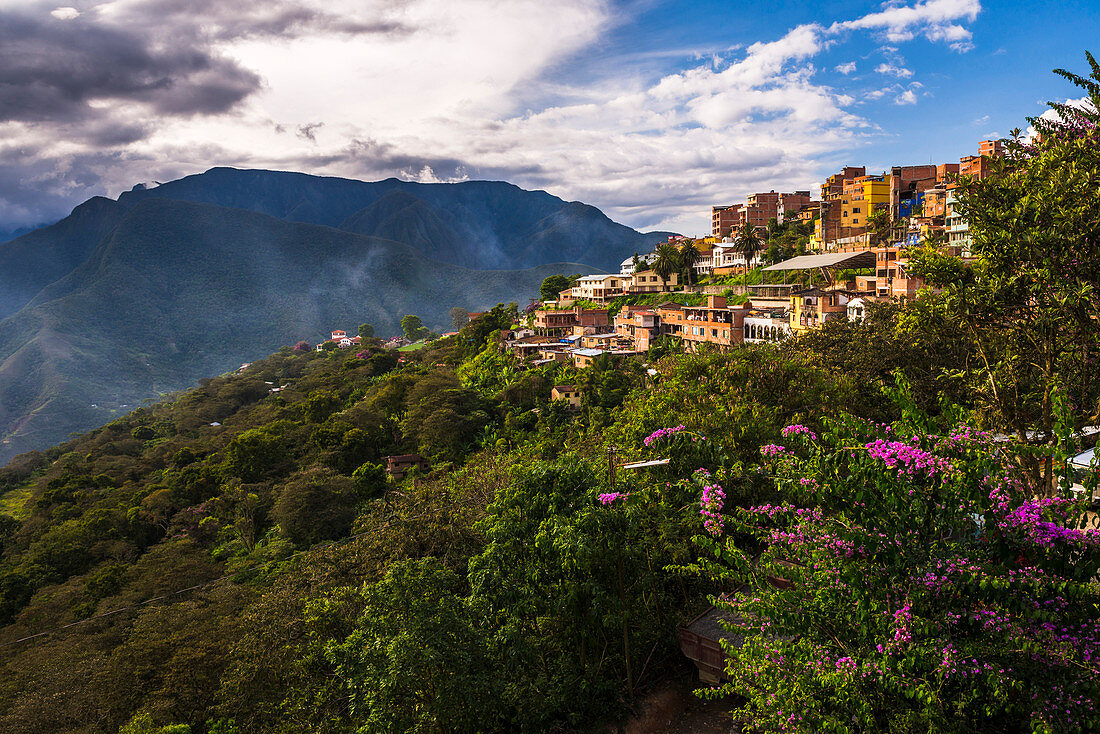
(907, 583)
(660, 434)
(907, 458)
(711, 508)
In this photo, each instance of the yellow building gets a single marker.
(860, 197)
(812, 307)
(648, 281)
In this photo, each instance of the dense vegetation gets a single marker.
(234, 558)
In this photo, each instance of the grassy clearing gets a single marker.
(14, 503)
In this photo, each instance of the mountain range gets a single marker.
(126, 300)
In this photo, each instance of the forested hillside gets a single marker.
(235, 559)
(894, 515)
(234, 482)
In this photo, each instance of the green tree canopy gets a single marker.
(552, 285)
(413, 328)
(1029, 303)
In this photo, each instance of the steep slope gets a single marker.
(178, 291)
(402, 217)
(33, 261)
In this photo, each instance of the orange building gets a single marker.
(724, 219)
(637, 325)
(560, 322)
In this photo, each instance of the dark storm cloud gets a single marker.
(219, 20)
(160, 53)
(51, 69)
(38, 186)
(79, 89)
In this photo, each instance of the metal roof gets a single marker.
(1084, 459)
(862, 259)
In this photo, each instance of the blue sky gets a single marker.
(650, 110)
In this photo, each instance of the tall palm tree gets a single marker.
(748, 243)
(689, 253)
(667, 262)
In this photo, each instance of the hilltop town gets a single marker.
(776, 265)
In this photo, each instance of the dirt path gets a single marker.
(673, 708)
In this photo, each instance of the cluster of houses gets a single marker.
(918, 204)
(921, 200)
(579, 335)
(341, 339)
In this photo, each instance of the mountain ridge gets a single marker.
(179, 291)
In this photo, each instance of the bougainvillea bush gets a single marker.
(907, 582)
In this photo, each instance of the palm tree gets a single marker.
(748, 244)
(881, 226)
(667, 262)
(689, 253)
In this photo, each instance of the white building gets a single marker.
(857, 309)
(627, 268)
(598, 288)
(767, 326)
(726, 255)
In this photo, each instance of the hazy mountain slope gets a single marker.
(497, 224)
(179, 291)
(33, 261)
(402, 217)
(475, 224)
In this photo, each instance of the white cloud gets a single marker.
(899, 71)
(935, 20)
(65, 13)
(467, 93)
(979, 121)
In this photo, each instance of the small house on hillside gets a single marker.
(399, 466)
(571, 394)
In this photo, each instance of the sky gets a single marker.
(651, 110)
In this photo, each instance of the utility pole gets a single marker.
(611, 451)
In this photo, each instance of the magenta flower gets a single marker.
(710, 508)
(661, 433)
(796, 429)
(908, 459)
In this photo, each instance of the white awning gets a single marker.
(643, 464)
(862, 259)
